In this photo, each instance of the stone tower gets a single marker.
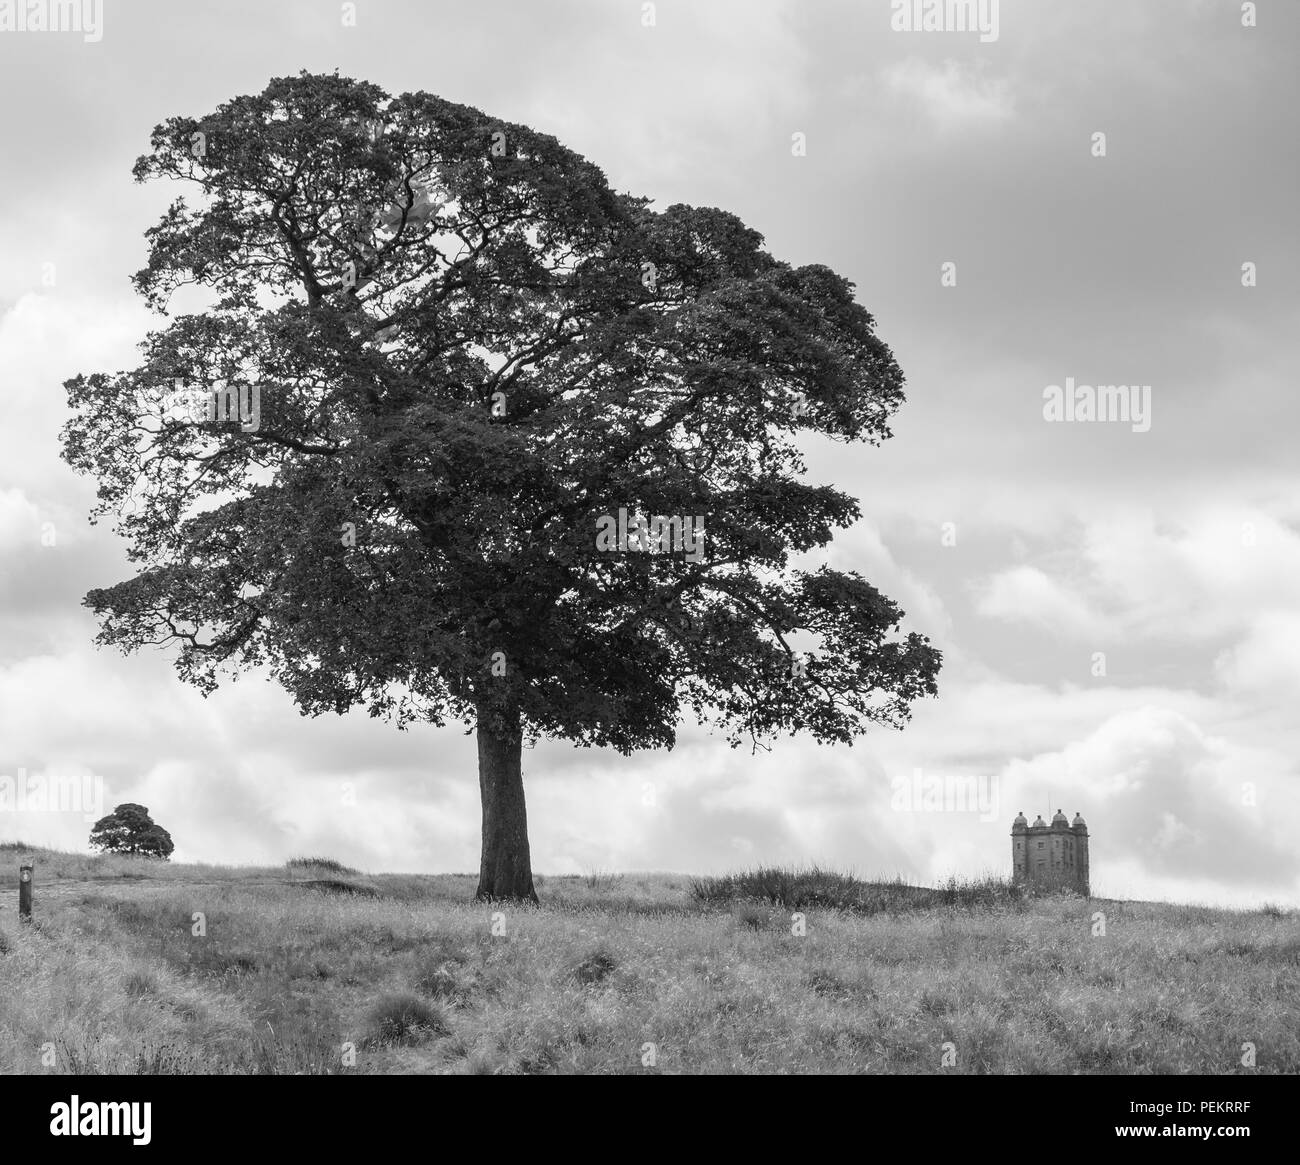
(1052, 856)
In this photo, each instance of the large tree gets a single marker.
(467, 355)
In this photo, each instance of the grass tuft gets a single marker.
(140, 984)
(404, 1019)
(327, 864)
(595, 967)
(602, 880)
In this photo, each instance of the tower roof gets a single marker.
(1060, 818)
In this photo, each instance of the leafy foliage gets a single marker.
(468, 348)
(130, 830)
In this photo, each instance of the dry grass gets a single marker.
(112, 978)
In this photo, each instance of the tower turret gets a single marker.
(1080, 831)
(1019, 847)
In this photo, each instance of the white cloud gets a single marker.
(1025, 593)
(952, 93)
(1264, 666)
(1203, 572)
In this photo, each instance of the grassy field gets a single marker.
(315, 968)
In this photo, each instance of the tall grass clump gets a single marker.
(404, 1019)
(328, 864)
(801, 889)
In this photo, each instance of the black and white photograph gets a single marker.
(687, 538)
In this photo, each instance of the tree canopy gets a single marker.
(130, 830)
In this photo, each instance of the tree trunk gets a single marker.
(505, 871)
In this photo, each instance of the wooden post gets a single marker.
(25, 892)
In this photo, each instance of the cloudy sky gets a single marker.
(1119, 610)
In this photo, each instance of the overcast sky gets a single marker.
(1035, 554)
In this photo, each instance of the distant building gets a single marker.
(1054, 856)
